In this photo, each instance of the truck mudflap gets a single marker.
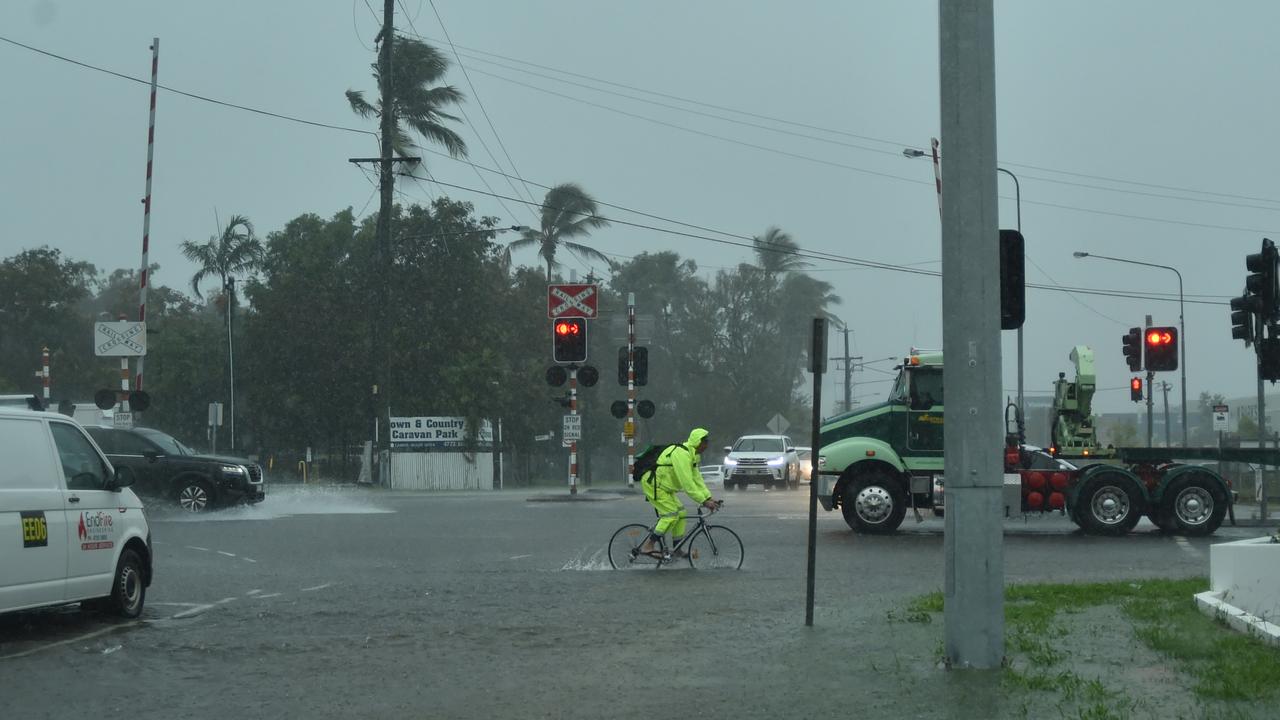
(823, 487)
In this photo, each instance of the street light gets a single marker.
(1017, 199)
(1182, 326)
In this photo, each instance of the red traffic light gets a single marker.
(568, 328)
(1156, 338)
(1135, 389)
(1135, 384)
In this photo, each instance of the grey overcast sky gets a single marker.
(1138, 129)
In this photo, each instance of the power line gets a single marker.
(184, 93)
(828, 257)
(476, 94)
(892, 143)
(853, 168)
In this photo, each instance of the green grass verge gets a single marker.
(1224, 665)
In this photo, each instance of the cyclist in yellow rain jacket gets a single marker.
(677, 471)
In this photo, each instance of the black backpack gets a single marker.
(646, 462)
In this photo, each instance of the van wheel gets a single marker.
(873, 503)
(194, 495)
(129, 590)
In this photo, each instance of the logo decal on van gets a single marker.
(35, 529)
(96, 530)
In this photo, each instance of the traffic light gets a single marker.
(1269, 359)
(1261, 281)
(1161, 348)
(642, 365)
(569, 340)
(1013, 309)
(1133, 349)
(1242, 309)
(1135, 389)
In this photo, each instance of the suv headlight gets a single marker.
(233, 470)
(778, 461)
(730, 461)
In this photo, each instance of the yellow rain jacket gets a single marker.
(678, 472)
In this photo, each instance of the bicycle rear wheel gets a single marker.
(718, 548)
(624, 549)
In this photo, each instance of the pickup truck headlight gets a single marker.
(778, 461)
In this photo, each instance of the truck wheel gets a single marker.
(194, 494)
(873, 503)
(1194, 504)
(1108, 504)
(129, 589)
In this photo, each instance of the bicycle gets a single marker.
(709, 546)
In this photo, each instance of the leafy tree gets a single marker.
(233, 253)
(1247, 428)
(419, 100)
(41, 299)
(567, 212)
(1124, 434)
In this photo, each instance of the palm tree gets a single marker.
(416, 68)
(235, 252)
(567, 212)
(777, 252)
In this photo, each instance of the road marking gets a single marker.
(519, 557)
(223, 552)
(317, 587)
(253, 592)
(193, 547)
(1186, 546)
(268, 595)
(249, 560)
(68, 641)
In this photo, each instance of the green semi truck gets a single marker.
(882, 461)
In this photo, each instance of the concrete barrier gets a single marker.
(1244, 581)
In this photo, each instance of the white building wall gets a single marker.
(441, 471)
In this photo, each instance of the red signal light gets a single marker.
(564, 328)
(1136, 384)
(1157, 337)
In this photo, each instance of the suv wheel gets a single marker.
(194, 495)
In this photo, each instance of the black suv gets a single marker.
(162, 467)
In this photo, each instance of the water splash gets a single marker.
(282, 501)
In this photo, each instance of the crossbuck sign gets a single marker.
(119, 339)
(572, 301)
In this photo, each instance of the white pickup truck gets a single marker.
(769, 460)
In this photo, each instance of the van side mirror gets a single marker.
(122, 478)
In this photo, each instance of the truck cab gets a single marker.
(878, 461)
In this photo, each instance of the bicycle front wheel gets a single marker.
(624, 549)
(717, 548)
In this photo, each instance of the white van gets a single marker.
(69, 531)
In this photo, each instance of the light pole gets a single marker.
(1017, 199)
(1182, 326)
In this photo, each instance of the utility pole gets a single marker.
(973, 588)
(1167, 441)
(386, 186)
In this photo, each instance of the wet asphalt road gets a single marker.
(333, 603)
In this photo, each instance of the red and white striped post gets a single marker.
(44, 374)
(124, 377)
(146, 205)
(631, 388)
(573, 445)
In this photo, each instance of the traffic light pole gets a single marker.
(1151, 396)
(631, 388)
(1167, 441)
(1262, 434)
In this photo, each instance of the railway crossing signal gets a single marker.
(569, 340)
